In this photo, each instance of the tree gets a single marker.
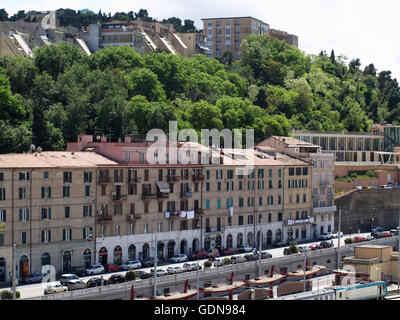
(40, 131)
(143, 81)
(3, 15)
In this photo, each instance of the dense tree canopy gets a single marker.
(61, 92)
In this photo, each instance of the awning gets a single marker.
(163, 186)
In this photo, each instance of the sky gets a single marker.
(364, 29)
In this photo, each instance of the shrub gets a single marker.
(293, 247)
(207, 264)
(354, 175)
(130, 276)
(348, 179)
(226, 261)
(370, 174)
(348, 241)
(8, 295)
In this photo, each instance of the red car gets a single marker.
(386, 234)
(112, 267)
(315, 247)
(359, 239)
(228, 251)
(199, 255)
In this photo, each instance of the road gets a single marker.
(35, 290)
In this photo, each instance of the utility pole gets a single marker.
(13, 274)
(304, 265)
(259, 251)
(339, 237)
(398, 274)
(155, 264)
(197, 279)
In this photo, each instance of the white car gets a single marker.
(160, 272)
(55, 288)
(179, 258)
(187, 267)
(170, 270)
(135, 264)
(96, 269)
(369, 237)
(178, 269)
(326, 236)
(336, 235)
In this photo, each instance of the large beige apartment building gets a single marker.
(227, 34)
(105, 202)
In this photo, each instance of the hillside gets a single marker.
(60, 93)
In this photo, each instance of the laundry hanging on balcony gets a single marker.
(167, 214)
(231, 211)
(190, 215)
(183, 214)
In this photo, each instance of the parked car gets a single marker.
(135, 264)
(116, 278)
(160, 272)
(357, 239)
(369, 238)
(394, 232)
(142, 274)
(33, 278)
(314, 247)
(217, 262)
(76, 284)
(386, 234)
(266, 255)
(96, 269)
(93, 282)
(386, 187)
(178, 269)
(278, 244)
(170, 270)
(336, 235)
(251, 256)
(197, 255)
(375, 232)
(196, 266)
(228, 251)
(238, 259)
(179, 258)
(303, 248)
(79, 271)
(326, 236)
(148, 262)
(187, 267)
(55, 287)
(66, 277)
(326, 244)
(112, 267)
(245, 249)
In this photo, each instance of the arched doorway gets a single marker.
(118, 255)
(146, 251)
(3, 270)
(290, 234)
(183, 247)
(258, 240)
(297, 233)
(207, 243)
(23, 267)
(46, 260)
(132, 252)
(66, 262)
(218, 242)
(171, 248)
(195, 245)
(239, 240)
(103, 256)
(229, 241)
(250, 239)
(269, 237)
(87, 258)
(160, 250)
(278, 235)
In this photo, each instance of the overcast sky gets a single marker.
(363, 29)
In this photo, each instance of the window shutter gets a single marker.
(20, 214)
(4, 215)
(63, 234)
(49, 235)
(42, 235)
(43, 192)
(84, 233)
(49, 212)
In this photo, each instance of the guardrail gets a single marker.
(203, 273)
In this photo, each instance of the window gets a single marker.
(87, 191)
(46, 192)
(87, 211)
(65, 191)
(46, 236)
(103, 190)
(229, 203)
(133, 189)
(218, 203)
(219, 174)
(279, 199)
(291, 171)
(280, 173)
(240, 221)
(24, 176)
(260, 201)
(250, 219)
(207, 204)
(22, 193)
(298, 171)
(280, 216)
(23, 237)
(250, 202)
(230, 174)
(240, 185)
(305, 171)
(131, 229)
(3, 215)
(45, 175)
(208, 174)
(219, 186)
(207, 187)
(87, 232)
(67, 234)
(1, 176)
(160, 206)
(67, 177)
(261, 173)
(67, 212)
(23, 214)
(46, 213)
(304, 198)
(146, 228)
(2, 194)
(241, 202)
(87, 176)
(270, 184)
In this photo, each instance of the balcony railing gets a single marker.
(163, 195)
(315, 196)
(199, 212)
(198, 177)
(186, 194)
(134, 179)
(173, 214)
(173, 178)
(104, 180)
(133, 217)
(120, 197)
(104, 218)
(214, 229)
(149, 195)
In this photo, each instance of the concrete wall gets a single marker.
(363, 209)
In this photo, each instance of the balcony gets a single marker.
(173, 214)
(173, 178)
(217, 229)
(324, 209)
(162, 195)
(134, 179)
(324, 183)
(120, 197)
(148, 196)
(198, 177)
(104, 218)
(119, 181)
(186, 194)
(199, 212)
(133, 217)
(315, 196)
(104, 180)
